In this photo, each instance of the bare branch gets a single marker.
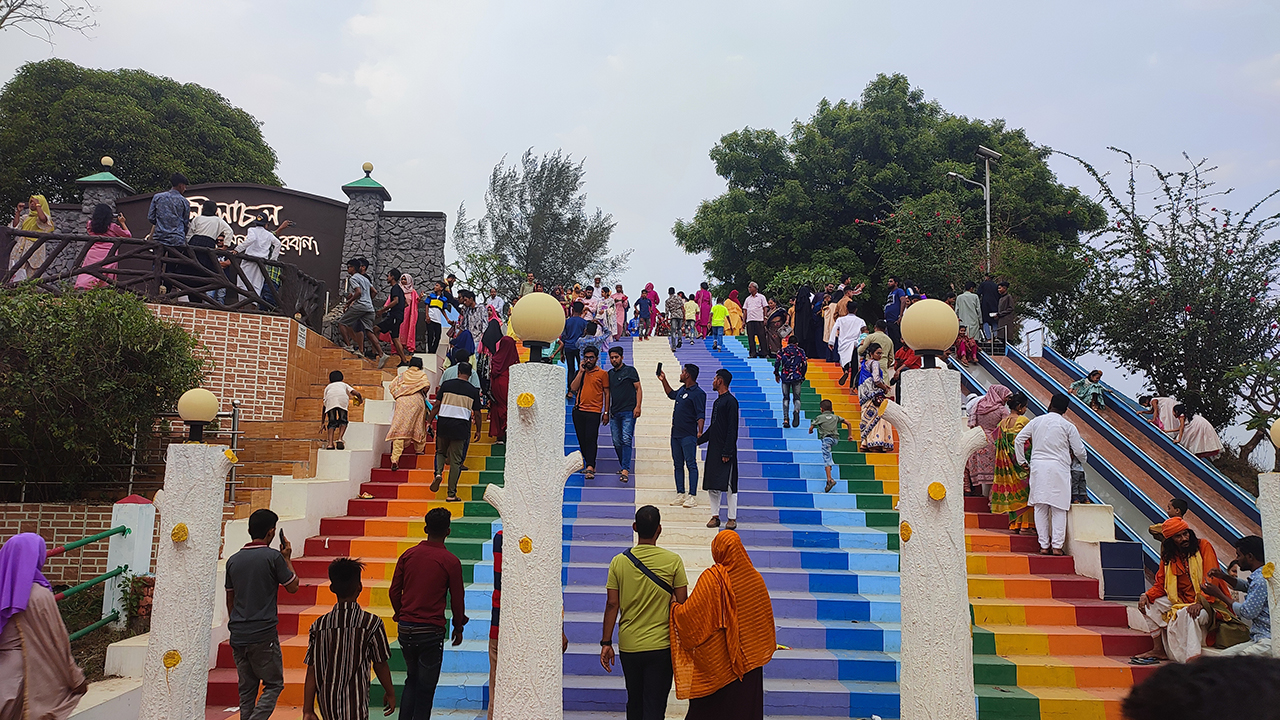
(40, 18)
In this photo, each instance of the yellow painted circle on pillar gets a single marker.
(1268, 570)
(937, 490)
(904, 531)
(526, 545)
(179, 533)
(525, 400)
(171, 659)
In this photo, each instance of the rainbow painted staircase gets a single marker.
(1044, 645)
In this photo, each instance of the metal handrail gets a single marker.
(117, 530)
(180, 275)
(90, 583)
(114, 616)
(1026, 341)
(1168, 482)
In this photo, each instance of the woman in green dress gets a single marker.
(1010, 490)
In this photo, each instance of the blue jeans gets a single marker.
(622, 427)
(828, 444)
(673, 337)
(684, 451)
(717, 337)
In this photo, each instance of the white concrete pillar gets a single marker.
(529, 678)
(936, 677)
(177, 672)
(132, 549)
(1269, 508)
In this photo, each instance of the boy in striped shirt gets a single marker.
(345, 642)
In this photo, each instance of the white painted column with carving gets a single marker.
(176, 674)
(528, 683)
(1269, 508)
(936, 677)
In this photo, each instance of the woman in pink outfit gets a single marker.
(620, 305)
(703, 298)
(653, 298)
(409, 328)
(103, 223)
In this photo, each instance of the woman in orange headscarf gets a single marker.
(722, 637)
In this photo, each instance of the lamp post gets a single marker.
(528, 677)
(937, 651)
(987, 155)
(537, 319)
(197, 407)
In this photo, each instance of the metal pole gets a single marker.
(117, 530)
(114, 616)
(986, 195)
(235, 448)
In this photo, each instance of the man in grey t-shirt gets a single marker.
(253, 576)
(356, 322)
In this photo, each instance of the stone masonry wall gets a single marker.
(361, 235)
(412, 242)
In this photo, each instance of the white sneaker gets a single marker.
(679, 499)
(691, 501)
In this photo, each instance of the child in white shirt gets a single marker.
(333, 418)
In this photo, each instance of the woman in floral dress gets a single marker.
(1011, 488)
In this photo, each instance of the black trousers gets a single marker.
(757, 346)
(571, 363)
(648, 676)
(586, 425)
(423, 650)
(433, 337)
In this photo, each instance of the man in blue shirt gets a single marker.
(170, 212)
(1254, 609)
(686, 425)
(893, 311)
(574, 327)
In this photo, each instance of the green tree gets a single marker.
(478, 266)
(1180, 289)
(822, 193)
(536, 221)
(78, 373)
(57, 119)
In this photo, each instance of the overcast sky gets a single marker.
(434, 94)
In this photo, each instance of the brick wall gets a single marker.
(59, 524)
(305, 368)
(248, 356)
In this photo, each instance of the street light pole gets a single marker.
(987, 155)
(986, 195)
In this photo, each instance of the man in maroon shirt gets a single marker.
(424, 573)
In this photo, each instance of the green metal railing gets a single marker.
(117, 530)
(90, 583)
(114, 615)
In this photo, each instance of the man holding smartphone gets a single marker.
(253, 575)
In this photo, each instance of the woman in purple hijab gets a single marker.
(38, 676)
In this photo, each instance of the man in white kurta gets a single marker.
(1054, 439)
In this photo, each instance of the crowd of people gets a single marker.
(206, 240)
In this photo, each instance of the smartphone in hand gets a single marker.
(282, 540)
(659, 372)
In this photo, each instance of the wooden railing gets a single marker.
(175, 275)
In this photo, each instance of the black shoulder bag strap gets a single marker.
(666, 587)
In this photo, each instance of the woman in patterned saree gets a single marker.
(877, 434)
(1011, 488)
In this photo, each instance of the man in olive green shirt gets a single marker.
(879, 337)
(641, 587)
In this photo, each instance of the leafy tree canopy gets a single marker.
(536, 221)
(1181, 288)
(57, 119)
(837, 191)
(68, 416)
